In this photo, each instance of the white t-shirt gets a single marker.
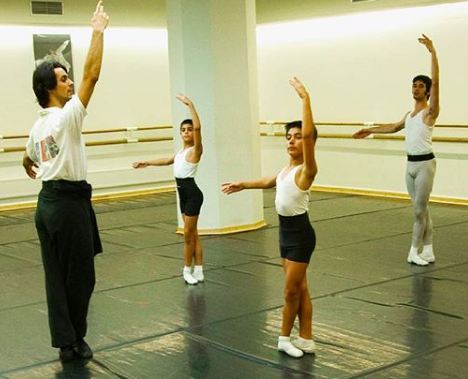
(56, 144)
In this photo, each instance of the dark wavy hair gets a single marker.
(44, 80)
(426, 80)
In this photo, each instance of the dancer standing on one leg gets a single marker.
(190, 197)
(421, 166)
(65, 219)
(296, 235)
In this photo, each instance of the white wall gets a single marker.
(133, 88)
(374, 165)
(357, 67)
(133, 91)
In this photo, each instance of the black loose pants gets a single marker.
(67, 229)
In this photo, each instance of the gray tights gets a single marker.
(419, 180)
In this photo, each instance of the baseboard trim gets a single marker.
(171, 188)
(96, 198)
(130, 194)
(388, 194)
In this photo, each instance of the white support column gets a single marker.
(212, 56)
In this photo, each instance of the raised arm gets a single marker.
(263, 183)
(434, 109)
(309, 136)
(381, 129)
(92, 67)
(197, 138)
(153, 162)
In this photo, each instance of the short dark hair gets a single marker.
(427, 82)
(186, 121)
(297, 124)
(44, 80)
(292, 124)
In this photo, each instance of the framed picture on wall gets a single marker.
(54, 47)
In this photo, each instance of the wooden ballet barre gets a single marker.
(263, 123)
(322, 135)
(375, 136)
(14, 137)
(99, 131)
(99, 143)
(128, 140)
(357, 124)
(434, 139)
(129, 129)
(12, 149)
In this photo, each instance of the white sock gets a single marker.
(413, 257)
(428, 253)
(189, 279)
(306, 345)
(198, 273)
(285, 345)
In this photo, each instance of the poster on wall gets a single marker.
(53, 47)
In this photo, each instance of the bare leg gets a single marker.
(295, 274)
(190, 237)
(198, 250)
(305, 312)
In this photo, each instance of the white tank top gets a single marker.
(418, 135)
(182, 168)
(290, 200)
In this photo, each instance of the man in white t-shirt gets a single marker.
(65, 220)
(421, 166)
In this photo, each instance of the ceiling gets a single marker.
(151, 13)
(285, 10)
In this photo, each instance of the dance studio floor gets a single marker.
(375, 316)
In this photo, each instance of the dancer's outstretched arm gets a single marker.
(263, 183)
(153, 162)
(382, 128)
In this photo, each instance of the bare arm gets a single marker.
(381, 129)
(153, 162)
(307, 173)
(263, 183)
(434, 108)
(197, 139)
(92, 67)
(29, 166)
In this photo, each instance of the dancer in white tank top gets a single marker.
(297, 237)
(421, 165)
(190, 197)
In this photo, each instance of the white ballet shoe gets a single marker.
(198, 273)
(285, 345)
(307, 346)
(414, 258)
(189, 279)
(428, 254)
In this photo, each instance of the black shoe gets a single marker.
(66, 354)
(82, 350)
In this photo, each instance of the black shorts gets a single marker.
(296, 238)
(190, 196)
